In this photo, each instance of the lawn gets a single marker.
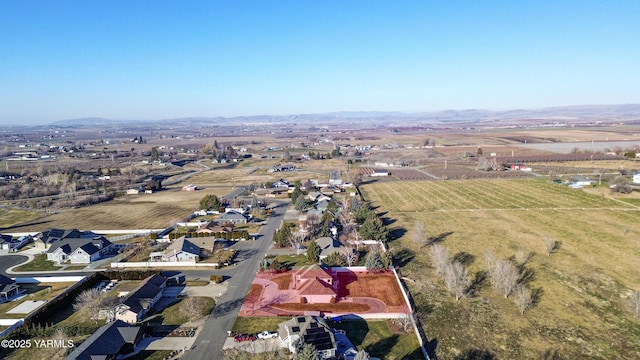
(174, 314)
(378, 340)
(257, 324)
(290, 261)
(39, 263)
(583, 310)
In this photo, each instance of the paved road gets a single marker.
(211, 339)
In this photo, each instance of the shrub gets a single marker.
(303, 300)
(216, 278)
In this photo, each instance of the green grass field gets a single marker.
(39, 263)
(583, 310)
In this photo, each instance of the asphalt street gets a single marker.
(211, 339)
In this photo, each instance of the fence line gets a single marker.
(162, 264)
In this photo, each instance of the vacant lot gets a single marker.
(155, 210)
(586, 285)
(383, 287)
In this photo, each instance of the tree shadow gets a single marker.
(476, 354)
(526, 275)
(431, 347)
(397, 233)
(388, 221)
(480, 277)
(382, 348)
(536, 296)
(464, 258)
(438, 238)
(551, 354)
(403, 257)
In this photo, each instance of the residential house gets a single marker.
(180, 249)
(316, 284)
(636, 179)
(206, 243)
(232, 217)
(45, 239)
(308, 330)
(137, 303)
(281, 184)
(212, 227)
(109, 341)
(79, 250)
(7, 242)
(9, 289)
(328, 246)
(134, 191)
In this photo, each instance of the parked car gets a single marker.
(244, 337)
(267, 335)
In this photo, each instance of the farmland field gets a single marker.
(585, 286)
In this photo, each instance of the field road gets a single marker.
(211, 339)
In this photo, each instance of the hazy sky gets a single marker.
(166, 59)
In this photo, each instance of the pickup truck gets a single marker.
(267, 335)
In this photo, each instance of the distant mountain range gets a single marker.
(574, 114)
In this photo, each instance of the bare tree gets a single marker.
(404, 321)
(419, 235)
(192, 306)
(440, 257)
(296, 240)
(351, 257)
(457, 279)
(551, 245)
(635, 303)
(523, 298)
(361, 355)
(313, 221)
(504, 276)
(91, 301)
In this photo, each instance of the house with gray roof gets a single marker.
(9, 289)
(45, 239)
(232, 217)
(328, 246)
(109, 341)
(79, 250)
(308, 330)
(180, 249)
(136, 304)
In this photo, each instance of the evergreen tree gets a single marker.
(373, 228)
(313, 252)
(210, 202)
(374, 261)
(335, 259)
(307, 352)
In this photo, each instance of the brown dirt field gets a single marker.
(339, 307)
(379, 286)
(283, 281)
(254, 294)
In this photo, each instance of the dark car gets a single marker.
(244, 337)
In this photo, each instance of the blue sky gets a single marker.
(167, 59)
